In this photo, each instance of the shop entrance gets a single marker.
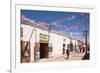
(43, 50)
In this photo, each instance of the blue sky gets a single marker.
(66, 22)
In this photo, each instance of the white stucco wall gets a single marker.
(57, 43)
(75, 42)
(27, 30)
(67, 41)
(56, 40)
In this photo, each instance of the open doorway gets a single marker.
(43, 50)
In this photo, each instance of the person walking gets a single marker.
(67, 53)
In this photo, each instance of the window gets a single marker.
(21, 32)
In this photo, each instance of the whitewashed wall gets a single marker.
(57, 43)
(56, 40)
(67, 41)
(75, 42)
(27, 30)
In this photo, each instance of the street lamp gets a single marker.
(71, 44)
(85, 35)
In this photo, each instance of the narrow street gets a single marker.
(72, 56)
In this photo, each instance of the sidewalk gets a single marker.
(72, 56)
(77, 56)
